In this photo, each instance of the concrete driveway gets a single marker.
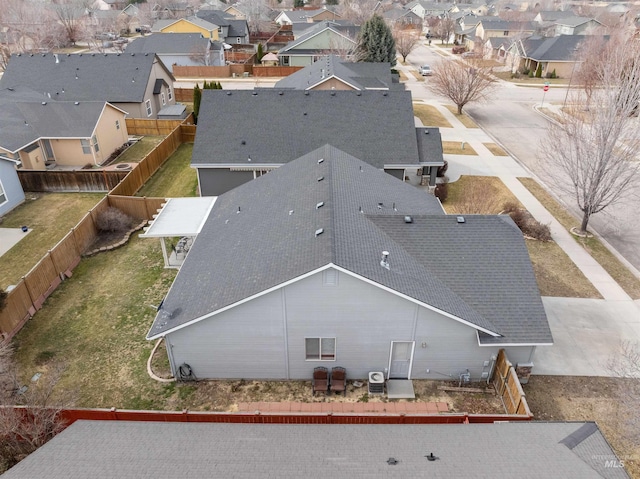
(586, 333)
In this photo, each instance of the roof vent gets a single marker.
(360, 209)
(304, 113)
(228, 93)
(93, 54)
(243, 142)
(133, 80)
(320, 178)
(68, 54)
(333, 93)
(384, 262)
(392, 461)
(359, 93)
(254, 93)
(361, 169)
(380, 205)
(249, 159)
(320, 160)
(431, 457)
(319, 205)
(280, 93)
(460, 219)
(146, 54)
(239, 210)
(133, 54)
(384, 93)
(76, 102)
(44, 102)
(290, 212)
(394, 207)
(117, 54)
(319, 231)
(306, 93)
(408, 219)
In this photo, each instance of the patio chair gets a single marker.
(320, 380)
(339, 380)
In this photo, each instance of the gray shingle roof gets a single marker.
(356, 231)
(343, 29)
(163, 43)
(25, 118)
(560, 48)
(278, 126)
(163, 450)
(364, 75)
(116, 78)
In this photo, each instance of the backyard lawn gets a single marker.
(49, 216)
(175, 178)
(138, 150)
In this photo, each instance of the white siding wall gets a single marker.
(248, 341)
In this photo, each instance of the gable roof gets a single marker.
(236, 27)
(302, 15)
(25, 118)
(560, 48)
(347, 31)
(148, 450)
(362, 215)
(283, 125)
(359, 75)
(112, 77)
(164, 43)
(574, 21)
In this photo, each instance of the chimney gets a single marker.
(384, 262)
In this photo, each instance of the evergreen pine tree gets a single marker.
(376, 43)
(197, 97)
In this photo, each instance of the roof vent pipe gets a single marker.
(384, 262)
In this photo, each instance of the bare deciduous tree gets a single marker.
(462, 83)
(28, 419)
(596, 151)
(443, 29)
(626, 362)
(357, 11)
(589, 57)
(70, 14)
(257, 13)
(406, 41)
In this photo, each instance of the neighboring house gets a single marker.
(576, 26)
(554, 54)
(289, 17)
(172, 10)
(495, 27)
(322, 39)
(112, 4)
(402, 17)
(546, 17)
(183, 49)
(330, 261)
(431, 9)
(141, 85)
(11, 193)
(234, 11)
(332, 73)
(570, 450)
(496, 48)
(261, 130)
(188, 25)
(230, 29)
(40, 132)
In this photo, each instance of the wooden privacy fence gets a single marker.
(31, 291)
(507, 385)
(72, 415)
(229, 71)
(79, 180)
(143, 127)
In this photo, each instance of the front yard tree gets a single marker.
(595, 151)
(376, 43)
(462, 83)
(406, 42)
(443, 29)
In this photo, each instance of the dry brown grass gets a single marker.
(556, 274)
(455, 148)
(402, 75)
(596, 249)
(464, 118)
(495, 149)
(430, 116)
(417, 75)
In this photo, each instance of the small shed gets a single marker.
(270, 60)
(173, 112)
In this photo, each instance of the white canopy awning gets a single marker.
(180, 217)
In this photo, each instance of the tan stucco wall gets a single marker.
(183, 26)
(109, 137)
(68, 152)
(157, 71)
(326, 15)
(33, 160)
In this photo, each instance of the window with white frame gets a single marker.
(164, 101)
(320, 349)
(148, 105)
(94, 140)
(86, 147)
(117, 124)
(169, 93)
(3, 195)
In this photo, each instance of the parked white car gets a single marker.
(425, 70)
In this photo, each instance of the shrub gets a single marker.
(509, 206)
(442, 169)
(537, 230)
(3, 298)
(519, 217)
(530, 74)
(113, 220)
(442, 191)
(528, 224)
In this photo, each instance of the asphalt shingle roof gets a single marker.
(25, 118)
(116, 78)
(560, 48)
(164, 450)
(164, 43)
(363, 75)
(341, 28)
(238, 255)
(278, 126)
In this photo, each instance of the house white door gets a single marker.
(401, 359)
